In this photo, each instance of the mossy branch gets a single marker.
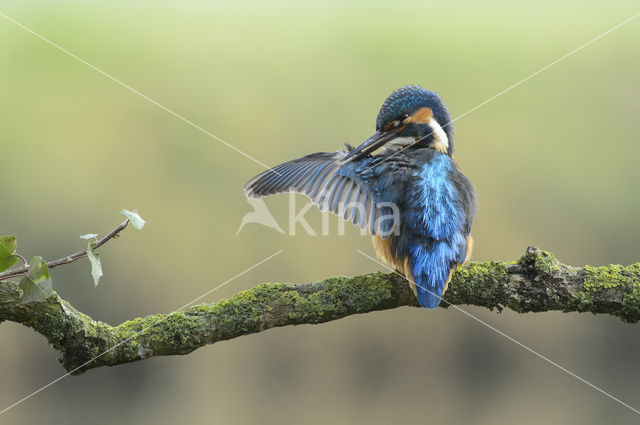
(537, 282)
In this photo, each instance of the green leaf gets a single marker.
(89, 236)
(32, 291)
(38, 270)
(37, 285)
(8, 245)
(7, 262)
(136, 221)
(96, 265)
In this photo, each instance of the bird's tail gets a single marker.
(428, 296)
(432, 280)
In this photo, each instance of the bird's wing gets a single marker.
(331, 185)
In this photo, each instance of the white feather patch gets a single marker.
(440, 135)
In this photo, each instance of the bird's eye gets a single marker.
(405, 116)
(392, 124)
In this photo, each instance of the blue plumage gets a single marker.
(442, 215)
(411, 196)
(443, 219)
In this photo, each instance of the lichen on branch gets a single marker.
(535, 283)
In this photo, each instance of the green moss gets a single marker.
(131, 327)
(612, 276)
(583, 302)
(52, 326)
(242, 313)
(631, 305)
(480, 284)
(177, 332)
(543, 262)
(306, 310)
(340, 295)
(360, 292)
(553, 300)
(546, 264)
(606, 284)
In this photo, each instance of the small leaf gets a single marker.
(8, 245)
(136, 221)
(7, 262)
(38, 270)
(37, 285)
(96, 265)
(32, 291)
(89, 236)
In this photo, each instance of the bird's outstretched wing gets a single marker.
(331, 185)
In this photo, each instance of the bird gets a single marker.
(401, 184)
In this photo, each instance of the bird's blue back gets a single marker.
(437, 207)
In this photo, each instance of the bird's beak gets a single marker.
(374, 142)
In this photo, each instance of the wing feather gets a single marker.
(333, 199)
(330, 184)
(341, 207)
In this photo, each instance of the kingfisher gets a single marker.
(401, 184)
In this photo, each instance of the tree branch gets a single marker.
(20, 271)
(537, 282)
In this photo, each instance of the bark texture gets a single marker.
(536, 282)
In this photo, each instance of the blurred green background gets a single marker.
(554, 161)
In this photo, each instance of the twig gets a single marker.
(65, 260)
(24, 260)
(19, 275)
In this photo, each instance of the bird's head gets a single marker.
(410, 118)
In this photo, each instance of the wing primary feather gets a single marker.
(353, 202)
(281, 181)
(329, 194)
(263, 183)
(300, 173)
(315, 176)
(276, 172)
(253, 186)
(309, 178)
(321, 182)
(374, 219)
(359, 205)
(337, 194)
(366, 216)
(321, 197)
(290, 175)
(348, 213)
(344, 198)
(302, 180)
